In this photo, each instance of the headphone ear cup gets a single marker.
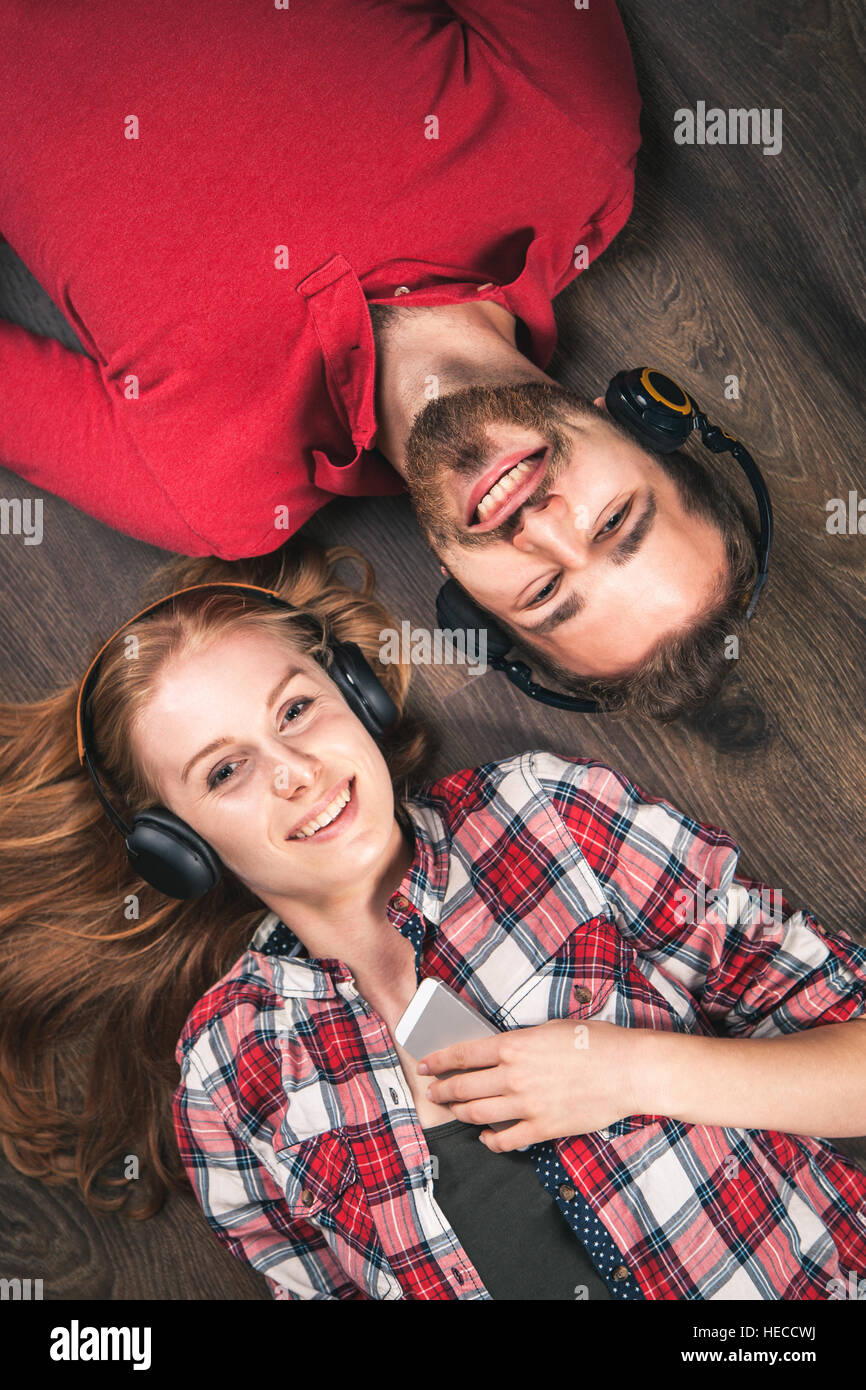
(659, 426)
(361, 688)
(170, 856)
(457, 611)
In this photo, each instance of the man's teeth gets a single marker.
(330, 813)
(502, 489)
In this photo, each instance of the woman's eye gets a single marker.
(296, 705)
(216, 779)
(225, 773)
(545, 592)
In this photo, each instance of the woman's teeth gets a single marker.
(329, 814)
(502, 489)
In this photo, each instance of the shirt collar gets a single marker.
(421, 893)
(338, 301)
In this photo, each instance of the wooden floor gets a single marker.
(733, 263)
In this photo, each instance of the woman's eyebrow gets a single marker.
(284, 680)
(221, 742)
(211, 748)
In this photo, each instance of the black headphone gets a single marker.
(661, 416)
(165, 851)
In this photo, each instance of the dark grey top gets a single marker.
(510, 1228)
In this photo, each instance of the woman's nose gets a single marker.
(293, 772)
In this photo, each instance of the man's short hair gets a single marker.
(686, 669)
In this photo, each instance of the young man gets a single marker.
(218, 206)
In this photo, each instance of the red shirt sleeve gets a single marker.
(580, 58)
(59, 430)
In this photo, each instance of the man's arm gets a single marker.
(60, 431)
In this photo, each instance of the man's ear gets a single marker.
(599, 401)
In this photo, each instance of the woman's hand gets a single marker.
(556, 1079)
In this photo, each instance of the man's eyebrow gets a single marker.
(621, 553)
(221, 742)
(567, 609)
(629, 545)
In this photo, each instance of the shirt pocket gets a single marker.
(594, 975)
(576, 981)
(323, 1188)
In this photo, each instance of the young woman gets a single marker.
(658, 1050)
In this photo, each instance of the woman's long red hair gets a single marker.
(98, 972)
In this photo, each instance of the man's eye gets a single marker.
(614, 521)
(545, 592)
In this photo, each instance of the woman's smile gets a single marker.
(331, 816)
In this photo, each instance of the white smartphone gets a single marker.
(437, 1017)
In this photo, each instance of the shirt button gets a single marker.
(566, 1191)
(458, 1276)
(401, 903)
(307, 1197)
(402, 289)
(394, 1097)
(582, 994)
(620, 1272)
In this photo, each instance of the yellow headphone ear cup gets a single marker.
(683, 406)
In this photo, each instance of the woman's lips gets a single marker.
(341, 822)
(515, 499)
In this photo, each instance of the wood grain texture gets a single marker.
(732, 263)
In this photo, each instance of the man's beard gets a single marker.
(448, 440)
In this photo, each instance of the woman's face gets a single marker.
(252, 744)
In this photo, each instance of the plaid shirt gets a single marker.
(541, 887)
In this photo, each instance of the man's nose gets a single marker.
(550, 528)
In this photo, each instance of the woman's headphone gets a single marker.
(661, 416)
(165, 851)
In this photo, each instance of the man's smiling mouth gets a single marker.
(504, 488)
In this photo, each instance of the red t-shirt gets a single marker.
(290, 166)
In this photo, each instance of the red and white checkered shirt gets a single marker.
(542, 887)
